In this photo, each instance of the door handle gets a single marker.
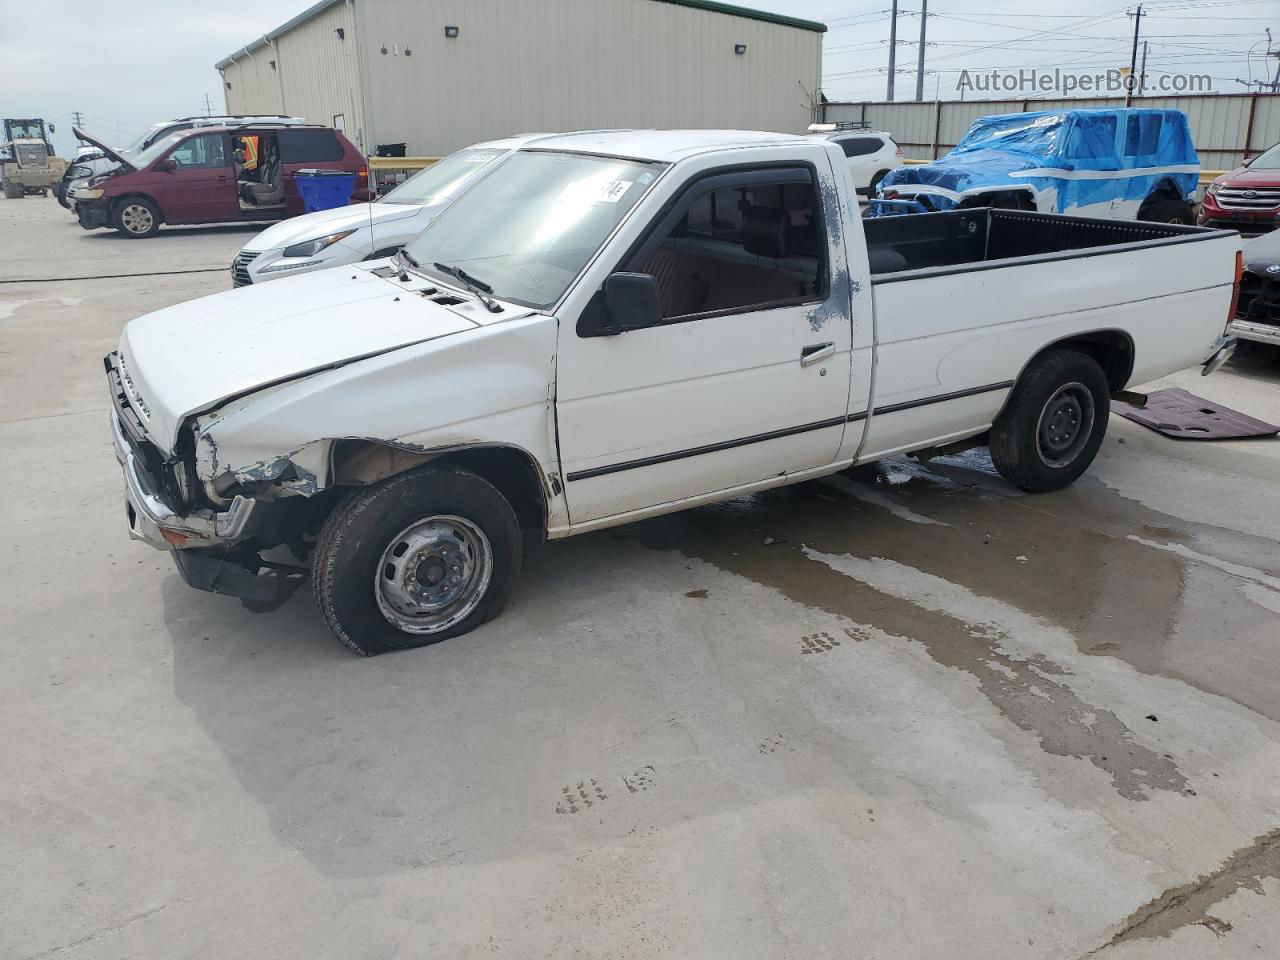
(816, 353)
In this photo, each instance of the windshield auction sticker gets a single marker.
(596, 191)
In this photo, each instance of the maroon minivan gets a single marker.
(213, 175)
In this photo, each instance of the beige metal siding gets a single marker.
(316, 74)
(555, 65)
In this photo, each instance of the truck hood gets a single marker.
(309, 226)
(107, 151)
(959, 172)
(188, 358)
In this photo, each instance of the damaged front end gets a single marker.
(218, 540)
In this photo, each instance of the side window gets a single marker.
(206, 151)
(739, 248)
(1094, 140)
(860, 146)
(1142, 134)
(309, 146)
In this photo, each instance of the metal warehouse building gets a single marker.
(441, 74)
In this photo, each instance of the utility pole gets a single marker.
(208, 107)
(1133, 54)
(78, 119)
(1142, 74)
(924, 20)
(893, 51)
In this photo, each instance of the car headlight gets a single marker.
(309, 248)
(1211, 190)
(88, 193)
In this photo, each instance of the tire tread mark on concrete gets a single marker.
(1189, 904)
(99, 934)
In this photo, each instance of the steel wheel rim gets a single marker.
(1065, 425)
(136, 218)
(433, 574)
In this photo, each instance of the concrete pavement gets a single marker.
(916, 717)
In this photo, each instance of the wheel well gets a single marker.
(1165, 189)
(512, 471)
(1017, 199)
(1113, 349)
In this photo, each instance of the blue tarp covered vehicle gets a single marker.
(1122, 163)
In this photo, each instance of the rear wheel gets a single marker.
(1163, 208)
(1053, 423)
(416, 559)
(136, 217)
(874, 185)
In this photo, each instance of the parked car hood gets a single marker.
(188, 358)
(107, 151)
(1245, 177)
(962, 171)
(1261, 255)
(309, 226)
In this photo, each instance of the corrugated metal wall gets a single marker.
(555, 65)
(1220, 123)
(316, 75)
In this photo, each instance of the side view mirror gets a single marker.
(164, 166)
(628, 301)
(52, 128)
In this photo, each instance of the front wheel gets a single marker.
(421, 557)
(136, 217)
(1053, 423)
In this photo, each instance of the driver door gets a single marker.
(201, 188)
(745, 376)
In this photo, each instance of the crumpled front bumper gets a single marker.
(92, 214)
(154, 521)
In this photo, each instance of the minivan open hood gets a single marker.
(190, 357)
(110, 153)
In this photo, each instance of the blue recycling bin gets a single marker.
(324, 189)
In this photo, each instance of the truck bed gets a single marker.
(962, 240)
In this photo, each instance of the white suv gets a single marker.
(870, 153)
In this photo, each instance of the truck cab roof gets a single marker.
(665, 146)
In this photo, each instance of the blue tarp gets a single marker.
(1072, 160)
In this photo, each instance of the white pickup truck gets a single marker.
(610, 326)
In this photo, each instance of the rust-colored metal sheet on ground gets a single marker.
(1180, 414)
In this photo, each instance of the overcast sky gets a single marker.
(130, 63)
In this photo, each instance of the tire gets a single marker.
(1053, 423)
(13, 191)
(136, 217)
(1162, 208)
(61, 194)
(874, 185)
(438, 516)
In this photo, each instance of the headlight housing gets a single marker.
(309, 248)
(1211, 189)
(89, 193)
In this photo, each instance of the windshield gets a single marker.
(1267, 160)
(444, 179)
(157, 149)
(1038, 135)
(529, 228)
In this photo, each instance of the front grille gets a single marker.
(1248, 198)
(240, 268)
(160, 470)
(1259, 300)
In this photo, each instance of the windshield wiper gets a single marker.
(478, 287)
